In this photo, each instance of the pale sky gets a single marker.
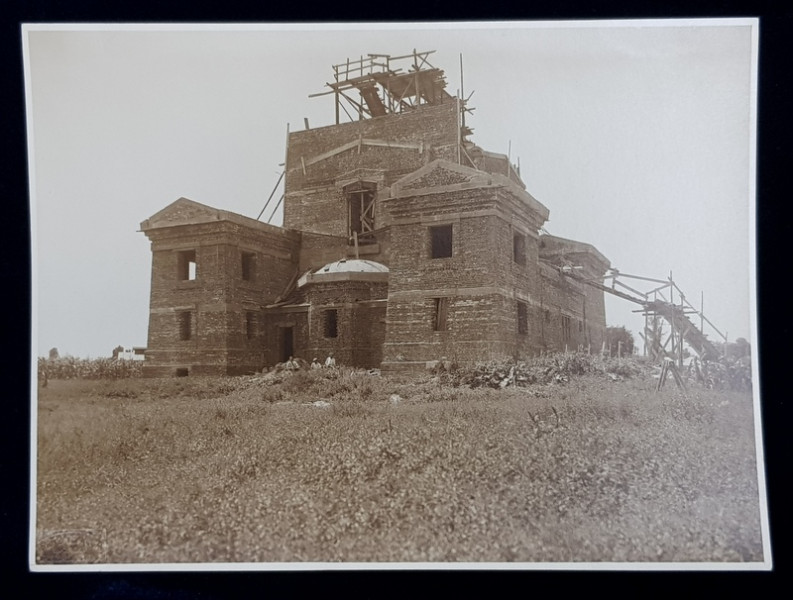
(637, 136)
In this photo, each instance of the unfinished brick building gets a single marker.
(402, 242)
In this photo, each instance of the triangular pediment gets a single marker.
(182, 212)
(439, 175)
(188, 212)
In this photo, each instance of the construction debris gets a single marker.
(560, 368)
(319, 404)
(550, 368)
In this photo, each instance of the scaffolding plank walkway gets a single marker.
(674, 314)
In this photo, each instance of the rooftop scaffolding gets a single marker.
(388, 85)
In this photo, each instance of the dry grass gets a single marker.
(247, 469)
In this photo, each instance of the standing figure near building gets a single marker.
(315, 364)
(330, 362)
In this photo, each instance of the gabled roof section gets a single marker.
(188, 212)
(438, 176)
(442, 176)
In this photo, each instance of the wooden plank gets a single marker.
(355, 103)
(459, 132)
(621, 274)
(661, 378)
(361, 142)
(276, 208)
(428, 52)
(345, 111)
(389, 144)
(280, 177)
(286, 149)
(678, 378)
(627, 287)
(470, 160)
(318, 94)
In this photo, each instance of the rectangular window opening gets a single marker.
(565, 328)
(523, 318)
(186, 265)
(248, 266)
(331, 323)
(519, 248)
(182, 372)
(185, 325)
(361, 209)
(441, 314)
(441, 240)
(250, 325)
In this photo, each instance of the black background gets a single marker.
(774, 198)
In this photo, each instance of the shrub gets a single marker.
(615, 335)
(620, 366)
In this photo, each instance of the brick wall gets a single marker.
(360, 326)
(223, 339)
(275, 324)
(473, 243)
(317, 250)
(314, 199)
(360, 323)
(481, 280)
(584, 303)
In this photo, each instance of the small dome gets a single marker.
(354, 265)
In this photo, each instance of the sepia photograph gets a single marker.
(400, 295)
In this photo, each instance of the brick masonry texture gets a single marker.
(218, 299)
(314, 198)
(241, 324)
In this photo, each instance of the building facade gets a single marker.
(402, 242)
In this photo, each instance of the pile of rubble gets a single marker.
(549, 368)
(725, 374)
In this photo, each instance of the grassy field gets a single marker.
(386, 469)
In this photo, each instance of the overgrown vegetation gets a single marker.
(724, 374)
(545, 369)
(619, 341)
(340, 465)
(70, 367)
